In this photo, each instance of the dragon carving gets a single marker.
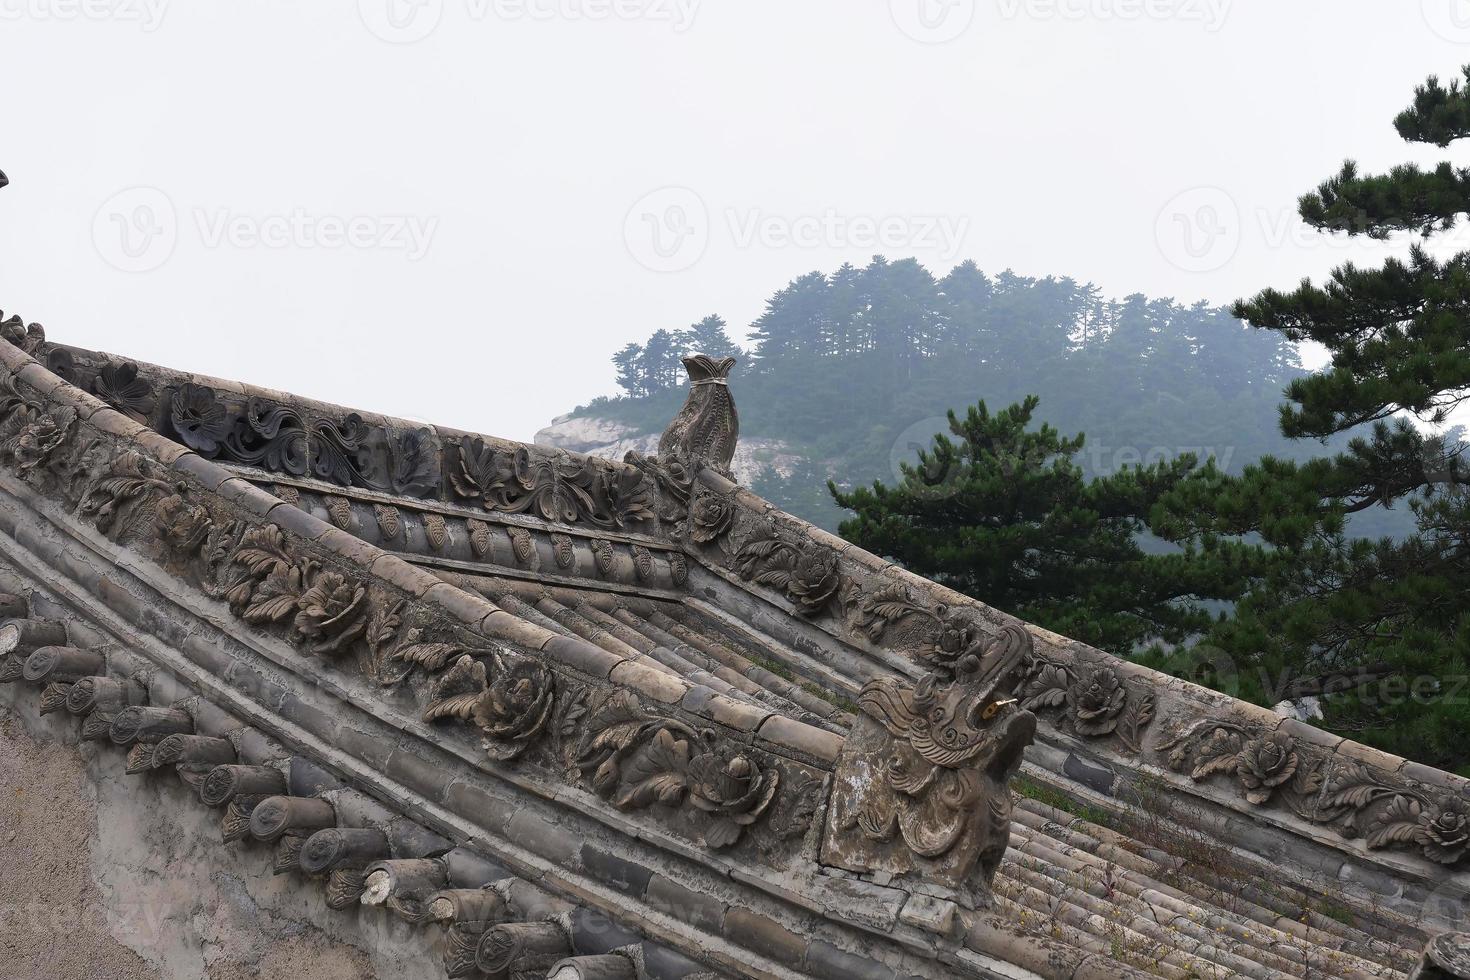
(922, 788)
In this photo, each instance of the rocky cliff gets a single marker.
(610, 439)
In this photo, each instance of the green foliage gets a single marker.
(1378, 626)
(855, 369)
(1003, 512)
(655, 367)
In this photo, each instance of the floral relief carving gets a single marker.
(457, 691)
(733, 790)
(1095, 701)
(558, 487)
(1267, 766)
(119, 385)
(199, 419)
(711, 516)
(513, 711)
(1387, 815)
(639, 761)
(125, 498)
(1445, 831)
(327, 610)
(874, 612)
(809, 577)
(415, 466)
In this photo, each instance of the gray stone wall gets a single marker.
(124, 877)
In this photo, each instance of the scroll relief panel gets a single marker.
(707, 785)
(303, 441)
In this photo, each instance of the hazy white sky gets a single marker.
(456, 210)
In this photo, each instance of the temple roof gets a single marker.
(517, 694)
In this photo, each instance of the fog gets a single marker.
(456, 210)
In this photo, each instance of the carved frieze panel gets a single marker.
(554, 486)
(1274, 769)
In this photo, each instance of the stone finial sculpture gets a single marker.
(922, 790)
(707, 427)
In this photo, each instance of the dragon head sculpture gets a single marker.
(923, 786)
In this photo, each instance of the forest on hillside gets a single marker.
(855, 370)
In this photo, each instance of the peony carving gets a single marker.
(809, 578)
(185, 526)
(1445, 831)
(639, 761)
(31, 434)
(710, 517)
(328, 611)
(1266, 763)
(1096, 698)
(331, 613)
(515, 708)
(1266, 766)
(814, 582)
(733, 790)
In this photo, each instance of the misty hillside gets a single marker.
(850, 372)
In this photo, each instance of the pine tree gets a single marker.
(709, 336)
(1003, 513)
(628, 362)
(1369, 620)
